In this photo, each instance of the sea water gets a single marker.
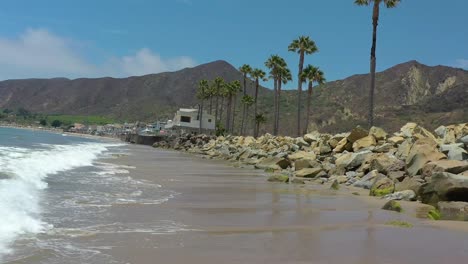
(54, 187)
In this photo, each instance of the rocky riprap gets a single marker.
(412, 164)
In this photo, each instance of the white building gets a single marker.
(188, 120)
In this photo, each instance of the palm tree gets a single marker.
(258, 75)
(275, 63)
(218, 85)
(311, 74)
(373, 59)
(210, 94)
(203, 87)
(302, 45)
(259, 119)
(284, 77)
(245, 70)
(233, 88)
(247, 101)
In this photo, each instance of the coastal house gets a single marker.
(187, 120)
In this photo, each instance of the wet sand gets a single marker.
(232, 215)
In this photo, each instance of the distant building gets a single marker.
(188, 121)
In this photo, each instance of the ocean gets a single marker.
(57, 187)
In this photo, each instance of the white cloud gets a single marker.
(38, 53)
(146, 62)
(462, 63)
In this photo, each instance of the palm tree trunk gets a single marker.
(228, 114)
(278, 107)
(201, 118)
(243, 107)
(309, 99)
(375, 21)
(211, 103)
(275, 105)
(216, 109)
(299, 92)
(221, 109)
(255, 107)
(233, 114)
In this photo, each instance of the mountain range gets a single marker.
(406, 92)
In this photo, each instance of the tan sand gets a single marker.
(232, 215)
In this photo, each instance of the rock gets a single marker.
(302, 155)
(364, 142)
(423, 151)
(413, 130)
(445, 186)
(440, 131)
(382, 186)
(409, 184)
(333, 141)
(324, 148)
(342, 146)
(356, 134)
(407, 195)
(311, 137)
(367, 180)
(305, 163)
(397, 175)
(352, 160)
(404, 149)
(378, 133)
(383, 148)
(298, 181)
(464, 140)
(386, 163)
(454, 151)
(452, 166)
(273, 163)
(300, 142)
(393, 205)
(453, 210)
(341, 179)
(308, 172)
(396, 140)
(279, 178)
(335, 185)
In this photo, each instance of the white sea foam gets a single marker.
(28, 169)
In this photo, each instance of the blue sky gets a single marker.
(90, 38)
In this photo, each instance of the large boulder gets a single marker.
(396, 140)
(273, 163)
(408, 183)
(382, 186)
(308, 172)
(364, 142)
(385, 163)
(352, 160)
(356, 134)
(305, 163)
(412, 130)
(367, 180)
(302, 155)
(453, 210)
(311, 137)
(423, 151)
(452, 166)
(404, 149)
(279, 178)
(343, 145)
(455, 151)
(407, 195)
(378, 133)
(445, 186)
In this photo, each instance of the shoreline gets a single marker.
(60, 131)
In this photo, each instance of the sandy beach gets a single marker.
(232, 215)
